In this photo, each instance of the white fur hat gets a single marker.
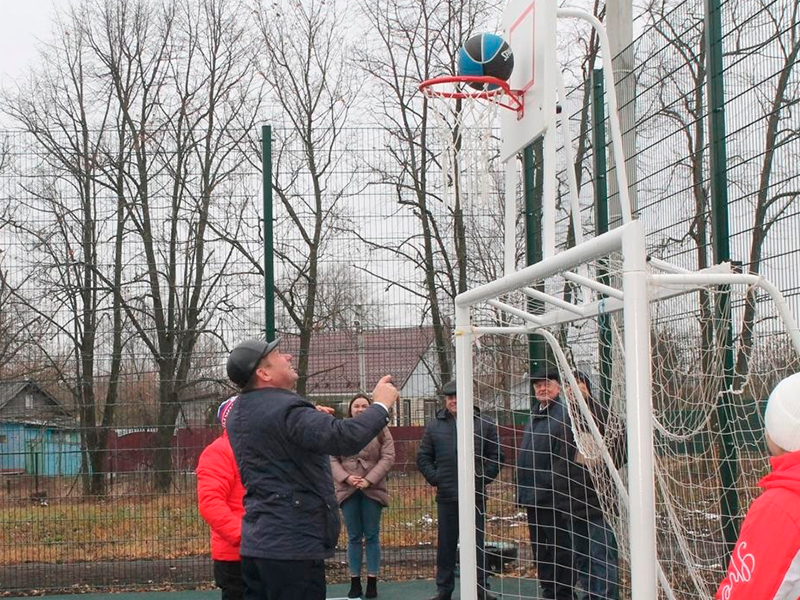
(782, 419)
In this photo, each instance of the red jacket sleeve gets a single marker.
(216, 475)
(763, 559)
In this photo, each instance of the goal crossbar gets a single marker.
(662, 286)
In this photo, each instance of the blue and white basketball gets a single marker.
(485, 54)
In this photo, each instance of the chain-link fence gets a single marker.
(130, 264)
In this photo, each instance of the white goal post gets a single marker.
(662, 505)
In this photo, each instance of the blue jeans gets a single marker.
(362, 516)
(596, 558)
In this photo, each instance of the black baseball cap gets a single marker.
(244, 359)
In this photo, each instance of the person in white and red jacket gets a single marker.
(765, 563)
(219, 497)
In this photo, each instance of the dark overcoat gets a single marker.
(437, 457)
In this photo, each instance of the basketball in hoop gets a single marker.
(462, 87)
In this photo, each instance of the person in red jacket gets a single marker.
(220, 496)
(765, 563)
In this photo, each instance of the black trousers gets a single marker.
(552, 551)
(228, 577)
(447, 546)
(269, 579)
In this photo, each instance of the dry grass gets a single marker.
(164, 527)
(142, 525)
(147, 526)
(151, 526)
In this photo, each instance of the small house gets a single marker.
(343, 363)
(38, 436)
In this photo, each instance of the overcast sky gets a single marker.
(21, 23)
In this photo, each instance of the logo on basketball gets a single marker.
(486, 54)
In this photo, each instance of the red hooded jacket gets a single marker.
(765, 564)
(220, 496)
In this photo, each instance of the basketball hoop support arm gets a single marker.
(613, 114)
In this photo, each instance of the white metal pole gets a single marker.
(592, 284)
(466, 449)
(510, 227)
(590, 249)
(638, 390)
(619, 24)
(778, 298)
(574, 204)
(613, 114)
(549, 181)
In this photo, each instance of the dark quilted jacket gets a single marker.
(437, 457)
(281, 443)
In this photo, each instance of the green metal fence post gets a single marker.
(729, 466)
(601, 222)
(269, 266)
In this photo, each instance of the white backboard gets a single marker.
(529, 27)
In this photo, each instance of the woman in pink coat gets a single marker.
(361, 492)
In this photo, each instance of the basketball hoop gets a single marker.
(467, 134)
(457, 87)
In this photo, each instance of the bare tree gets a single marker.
(675, 85)
(344, 301)
(674, 91)
(305, 70)
(66, 112)
(18, 326)
(773, 189)
(409, 43)
(186, 94)
(759, 155)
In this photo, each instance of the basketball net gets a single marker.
(465, 131)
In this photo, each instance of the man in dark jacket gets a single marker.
(437, 460)
(281, 444)
(594, 545)
(542, 468)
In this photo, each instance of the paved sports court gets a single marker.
(511, 589)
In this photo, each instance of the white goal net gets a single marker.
(713, 344)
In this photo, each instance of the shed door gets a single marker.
(34, 457)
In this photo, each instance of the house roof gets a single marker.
(56, 422)
(11, 389)
(334, 357)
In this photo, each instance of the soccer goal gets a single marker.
(680, 364)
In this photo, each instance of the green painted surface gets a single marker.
(506, 588)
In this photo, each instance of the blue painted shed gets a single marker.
(38, 436)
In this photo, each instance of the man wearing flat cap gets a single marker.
(437, 460)
(281, 444)
(544, 455)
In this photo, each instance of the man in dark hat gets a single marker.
(281, 444)
(438, 462)
(544, 456)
